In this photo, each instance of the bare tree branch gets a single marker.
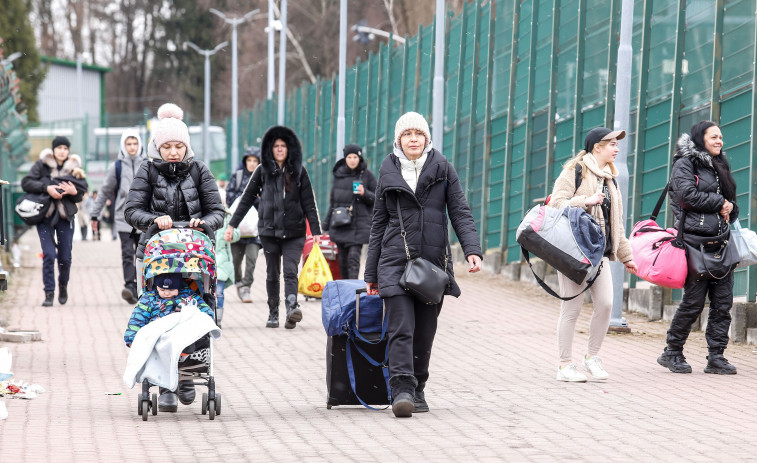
(389, 5)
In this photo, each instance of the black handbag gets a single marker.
(421, 278)
(709, 257)
(340, 217)
(31, 207)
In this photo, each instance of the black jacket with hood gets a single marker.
(424, 213)
(359, 230)
(45, 172)
(286, 194)
(694, 187)
(168, 188)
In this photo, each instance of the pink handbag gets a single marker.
(661, 258)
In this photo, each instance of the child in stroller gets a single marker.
(179, 270)
(166, 297)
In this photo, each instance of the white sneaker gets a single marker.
(571, 374)
(594, 366)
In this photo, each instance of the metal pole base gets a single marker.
(619, 326)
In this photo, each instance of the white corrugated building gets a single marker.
(59, 95)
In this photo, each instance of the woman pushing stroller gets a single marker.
(172, 187)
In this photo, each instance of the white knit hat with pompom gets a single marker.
(170, 126)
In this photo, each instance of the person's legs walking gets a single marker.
(220, 287)
(272, 252)
(692, 303)
(601, 298)
(64, 232)
(49, 253)
(292, 251)
(342, 259)
(401, 313)
(353, 260)
(251, 251)
(566, 328)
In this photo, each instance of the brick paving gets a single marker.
(492, 391)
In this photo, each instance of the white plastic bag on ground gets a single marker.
(6, 359)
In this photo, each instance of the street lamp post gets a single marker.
(437, 133)
(206, 125)
(282, 62)
(234, 78)
(271, 51)
(342, 78)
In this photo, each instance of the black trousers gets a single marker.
(277, 250)
(720, 293)
(412, 327)
(348, 256)
(128, 253)
(56, 241)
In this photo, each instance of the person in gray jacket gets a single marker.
(116, 188)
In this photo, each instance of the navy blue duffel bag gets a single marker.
(338, 309)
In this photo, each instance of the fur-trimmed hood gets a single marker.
(685, 147)
(71, 166)
(294, 150)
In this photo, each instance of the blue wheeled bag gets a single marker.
(356, 350)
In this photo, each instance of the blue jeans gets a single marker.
(220, 287)
(56, 243)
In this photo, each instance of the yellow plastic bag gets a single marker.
(315, 274)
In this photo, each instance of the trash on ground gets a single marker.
(17, 389)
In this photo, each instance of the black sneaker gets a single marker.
(674, 361)
(49, 297)
(128, 296)
(718, 365)
(63, 294)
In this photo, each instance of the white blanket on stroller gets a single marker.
(155, 352)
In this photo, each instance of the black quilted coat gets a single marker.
(168, 188)
(359, 230)
(425, 216)
(694, 187)
(286, 195)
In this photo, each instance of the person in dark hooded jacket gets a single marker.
(172, 187)
(354, 187)
(59, 175)
(701, 184)
(417, 179)
(286, 200)
(248, 247)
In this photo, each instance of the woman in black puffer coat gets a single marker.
(701, 184)
(286, 200)
(172, 186)
(426, 186)
(349, 171)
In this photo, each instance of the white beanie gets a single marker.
(411, 120)
(170, 126)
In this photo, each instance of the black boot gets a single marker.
(63, 294)
(294, 314)
(403, 395)
(128, 295)
(49, 296)
(167, 401)
(186, 391)
(419, 403)
(674, 361)
(273, 314)
(717, 364)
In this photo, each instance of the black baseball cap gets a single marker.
(598, 134)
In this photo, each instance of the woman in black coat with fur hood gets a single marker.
(701, 184)
(353, 188)
(286, 200)
(418, 182)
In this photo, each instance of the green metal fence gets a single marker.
(526, 80)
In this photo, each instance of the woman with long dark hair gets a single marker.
(701, 185)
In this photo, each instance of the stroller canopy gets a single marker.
(180, 250)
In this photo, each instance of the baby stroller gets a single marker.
(189, 252)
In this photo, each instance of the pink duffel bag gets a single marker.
(660, 257)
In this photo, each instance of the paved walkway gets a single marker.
(492, 391)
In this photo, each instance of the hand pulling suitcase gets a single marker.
(370, 376)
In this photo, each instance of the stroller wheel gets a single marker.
(212, 409)
(204, 405)
(155, 404)
(145, 409)
(139, 404)
(218, 403)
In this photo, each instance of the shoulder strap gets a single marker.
(119, 168)
(239, 175)
(194, 172)
(551, 291)
(658, 206)
(579, 177)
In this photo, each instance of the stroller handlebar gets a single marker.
(205, 228)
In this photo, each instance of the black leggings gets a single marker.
(278, 249)
(349, 260)
(412, 327)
